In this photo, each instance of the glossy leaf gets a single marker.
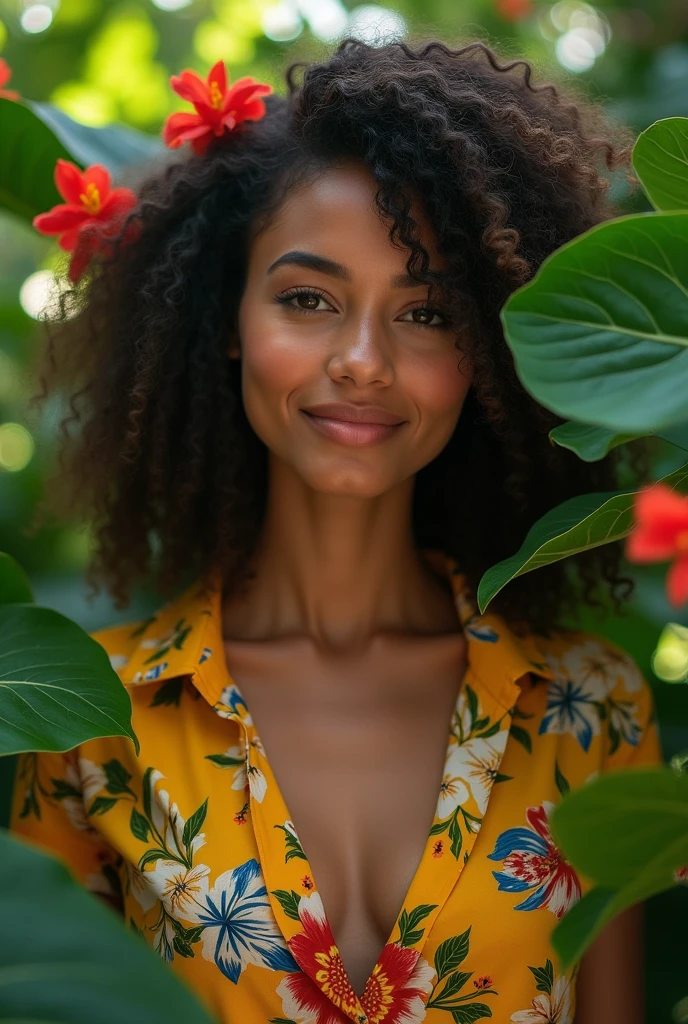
(590, 443)
(582, 522)
(660, 159)
(581, 925)
(600, 335)
(28, 155)
(57, 687)
(115, 146)
(14, 583)
(64, 955)
(628, 833)
(613, 827)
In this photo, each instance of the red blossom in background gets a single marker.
(218, 108)
(661, 534)
(5, 75)
(514, 10)
(92, 214)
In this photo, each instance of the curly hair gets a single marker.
(165, 465)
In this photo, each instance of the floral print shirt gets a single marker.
(195, 840)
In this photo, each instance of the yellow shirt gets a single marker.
(197, 837)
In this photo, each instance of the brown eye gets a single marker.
(308, 301)
(425, 317)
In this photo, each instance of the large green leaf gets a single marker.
(660, 159)
(66, 958)
(600, 335)
(628, 833)
(585, 521)
(115, 146)
(14, 583)
(582, 924)
(57, 687)
(28, 153)
(591, 443)
(613, 827)
(34, 135)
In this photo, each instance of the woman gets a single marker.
(296, 396)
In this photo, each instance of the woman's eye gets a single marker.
(306, 301)
(425, 316)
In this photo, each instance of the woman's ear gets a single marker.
(234, 350)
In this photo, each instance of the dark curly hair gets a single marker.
(165, 465)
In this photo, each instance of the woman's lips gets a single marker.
(348, 432)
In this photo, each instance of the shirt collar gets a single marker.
(184, 638)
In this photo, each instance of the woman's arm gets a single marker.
(610, 986)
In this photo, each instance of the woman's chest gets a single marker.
(220, 879)
(357, 748)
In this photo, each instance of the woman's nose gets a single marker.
(362, 353)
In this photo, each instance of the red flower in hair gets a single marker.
(218, 108)
(5, 75)
(93, 213)
(660, 534)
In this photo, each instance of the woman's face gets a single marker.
(328, 315)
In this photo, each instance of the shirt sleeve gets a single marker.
(631, 726)
(48, 808)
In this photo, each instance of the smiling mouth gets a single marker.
(352, 432)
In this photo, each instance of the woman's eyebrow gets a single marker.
(324, 265)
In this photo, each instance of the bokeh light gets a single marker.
(376, 25)
(327, 19)
(39, 296)
(172, 5)
(36, 18)
(16, 447)
(670, 657)
(582, 33)
(282, 22)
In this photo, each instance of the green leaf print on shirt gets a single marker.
(409, 932)
(450, 982)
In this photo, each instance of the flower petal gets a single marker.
(190, 86)
(677, 582)
(61, 218)
(69, 181)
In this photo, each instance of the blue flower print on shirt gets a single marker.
(239, 925)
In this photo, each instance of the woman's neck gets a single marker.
(339, 570)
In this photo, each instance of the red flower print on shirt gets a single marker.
(394, 994)
(532, 861)
(218, 108)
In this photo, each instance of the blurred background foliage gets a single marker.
(105, 61)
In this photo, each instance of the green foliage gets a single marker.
(601, 333)
(65, 954)
(28, 155)
(628, 833)
(582, 522)
(660, 158)
(57, 687)
(14, 583)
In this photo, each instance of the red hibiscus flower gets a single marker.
(92, 214)
(218, 108)
(661, 533)
(5, 75)
(395, 993)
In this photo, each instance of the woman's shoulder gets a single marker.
(599, 696)
(121, 639)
